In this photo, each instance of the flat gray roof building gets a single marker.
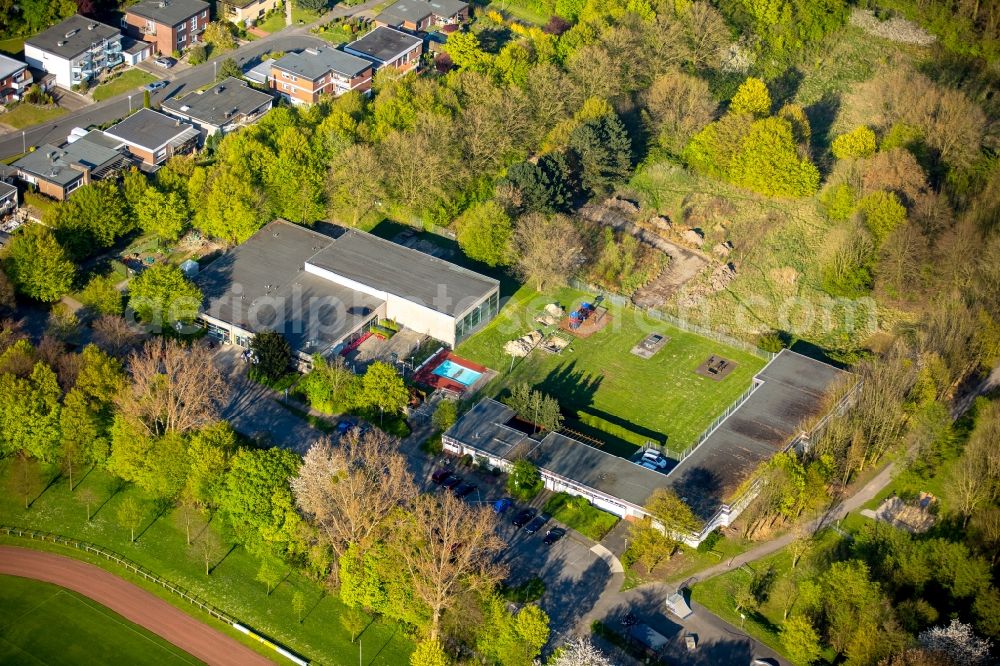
(790, 394)
(320, 289)
(383, 45)
(72, 37)
(167, 12)
(62, 165)
(9, 66)
(227, 102)
(150, 130)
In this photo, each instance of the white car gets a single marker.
(653, 460)
(165, 63)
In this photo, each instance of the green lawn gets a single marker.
(336, 34)
(232, 586)
(12, 46)
(764, 624)
(304, 15)
(125, 82)
(526, 11)
(273, 22)
(580, 515)
(42, 203)
(25, 115)
(47, 624)
(617, 397)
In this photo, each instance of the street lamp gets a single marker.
(24, 142)
(130, 103)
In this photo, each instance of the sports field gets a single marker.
(618, 398)
(46, 624)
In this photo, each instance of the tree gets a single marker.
(270, 574)
(210, 449)
(102, 296)
(229, 69)
(186, 514)
(298, 604)
(219, 36)
(958, 642)
(209, 547)
(604, 151)
(485, 233)
(648, 545)
(38, 265)
(197, 54)
(30, 413)
(524, 481)
(546, 186)
(882, 213)
(95, 217)
(445, 415)
(672, 512)
(165, 214)
(162, 296)
(580, 652)
(752, 97)
(7, 299)
(513, 640)
(88, 498)
(447, 547)
(296, 178)
(800, 640)
(548, 250)
(174, 388)
(271, 354)
(227, 203)
(679, 105)
(768, 161)
(129, 515)
(859, 142)
(348, 491)
(330, 386)
(535, 407)
(258, 500)
(429, 652)
(382, 387)
(113, 335)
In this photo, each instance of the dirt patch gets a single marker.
(684, 264)
(592, 324)
(716, 368)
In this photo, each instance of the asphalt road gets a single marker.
(55, 132)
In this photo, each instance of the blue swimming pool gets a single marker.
(458, 373)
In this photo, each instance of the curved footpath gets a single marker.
(131, 602)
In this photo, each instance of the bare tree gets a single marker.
(679, 105)
(548, 250)
(209, 547)
(446, 547)
(348, 490)
(114, 336)
(187, 514)
(88, 498)
(581, 652)
(174, 388)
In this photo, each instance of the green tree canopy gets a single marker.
(859, 142)
(524, 481)
(37, 265)
(882, 213)
(546, 186)
(382, 388)
(800, 640)
(768, 162)
(672, 512)
(752, 97)
(161, 296)
(258, 501)
(271, 354)
(210, 450)
(485, 233)
(102, 296)
(93, 218)
(30, 413)
(604, 151)
(513, 640)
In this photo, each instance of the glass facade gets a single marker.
(477, 317)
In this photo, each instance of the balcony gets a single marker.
(148, 30)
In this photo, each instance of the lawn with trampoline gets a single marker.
(47, 624)
(613, 395)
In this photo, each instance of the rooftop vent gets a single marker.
(71, 33)
(313, 52)
(91, 26)
(219, 89)
(185, 108)
(61, 43)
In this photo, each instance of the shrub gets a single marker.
(859, 142)
(882, 213)
(525, 481)
(433, 445)
(528, 591)
(753, 98)
(838, 202)
(198, 54)
(713, 538)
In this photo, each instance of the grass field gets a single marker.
(579, 514)
(125, 82)
(50, 625)
(25, 115)
(273, 22)
(12, 46)
(617, 397)
(160, 546)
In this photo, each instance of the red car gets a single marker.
(440, 475)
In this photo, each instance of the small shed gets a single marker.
(189, 268)
(677, 605)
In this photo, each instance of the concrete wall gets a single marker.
(421, 319)
(50, 63)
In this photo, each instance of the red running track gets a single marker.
(131, 602)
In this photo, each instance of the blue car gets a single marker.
(502, 505)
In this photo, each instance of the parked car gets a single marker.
(502, 504)
(451, 482)
(553, 535)
(440, 475)
(653, 460)
(165, 63)
(536, 524)
(524, 517)
(464, 489)
(155, 85)
(344, 425)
